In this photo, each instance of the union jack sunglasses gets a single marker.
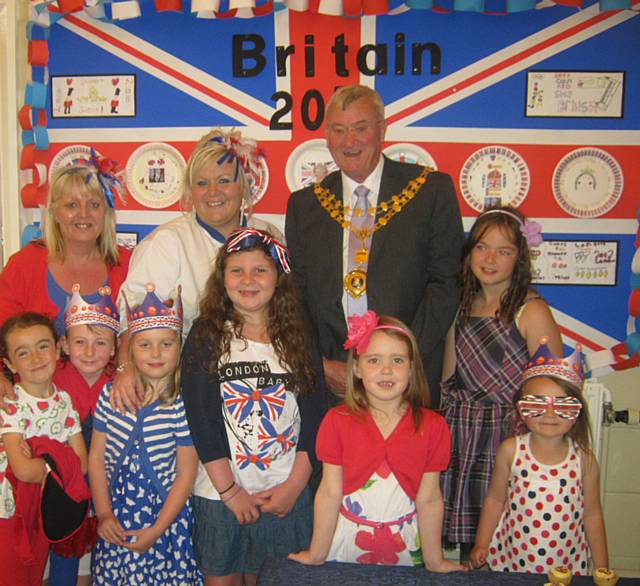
(536, 405)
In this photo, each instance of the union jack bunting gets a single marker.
(241, 397)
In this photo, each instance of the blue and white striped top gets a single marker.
(159, 428)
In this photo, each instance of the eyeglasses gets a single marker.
(357, 130)
(536, 405)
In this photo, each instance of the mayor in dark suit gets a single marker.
(378, 234)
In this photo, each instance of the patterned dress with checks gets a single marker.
(477, 402)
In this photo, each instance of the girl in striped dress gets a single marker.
(499, 324)
(143, 465)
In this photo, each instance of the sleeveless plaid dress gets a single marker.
(477, 402)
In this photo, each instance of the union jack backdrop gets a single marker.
(461, 103)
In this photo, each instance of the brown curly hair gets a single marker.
(514, 296)
(286, 326)
(417, 394)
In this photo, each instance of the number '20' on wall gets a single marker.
(311, 121)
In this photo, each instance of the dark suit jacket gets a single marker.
(413, 265)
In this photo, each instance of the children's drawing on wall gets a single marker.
(589, 94)
(68, 102)
(90, 96)
(569, 262)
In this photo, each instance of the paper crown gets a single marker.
(102, 313)
(155, 313)
(545, 363)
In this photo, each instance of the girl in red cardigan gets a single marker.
(379, 501)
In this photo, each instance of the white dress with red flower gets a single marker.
(53, 417)
(542, 524)
(394, 541)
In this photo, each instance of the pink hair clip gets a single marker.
(361, 328)
(532, 232)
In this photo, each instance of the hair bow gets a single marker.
(249, 237)
(244, 151)
(360, 329)
(108, 175)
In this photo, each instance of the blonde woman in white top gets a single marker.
(217, 193)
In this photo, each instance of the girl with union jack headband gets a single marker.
(252, 394)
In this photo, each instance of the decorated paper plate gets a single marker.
(410, 153)
(494, 175)
(587, 183)
(155, 174)
(309, 163)
(71, 155)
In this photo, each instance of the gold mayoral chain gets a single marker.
(355, 281)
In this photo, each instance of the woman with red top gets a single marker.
(379, 501)
(79, 246)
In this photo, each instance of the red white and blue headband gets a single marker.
(250, 237)
(532, 231)
(361, 328)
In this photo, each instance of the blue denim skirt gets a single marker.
(223, 546)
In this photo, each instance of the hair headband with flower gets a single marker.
(532, 231)
(108, 174)
(249, 237)
(361, 328)
(244, 151)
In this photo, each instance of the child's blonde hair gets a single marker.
(93, 328)
(170, 393)
(417, 393)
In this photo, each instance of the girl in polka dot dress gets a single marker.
(543, 506)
